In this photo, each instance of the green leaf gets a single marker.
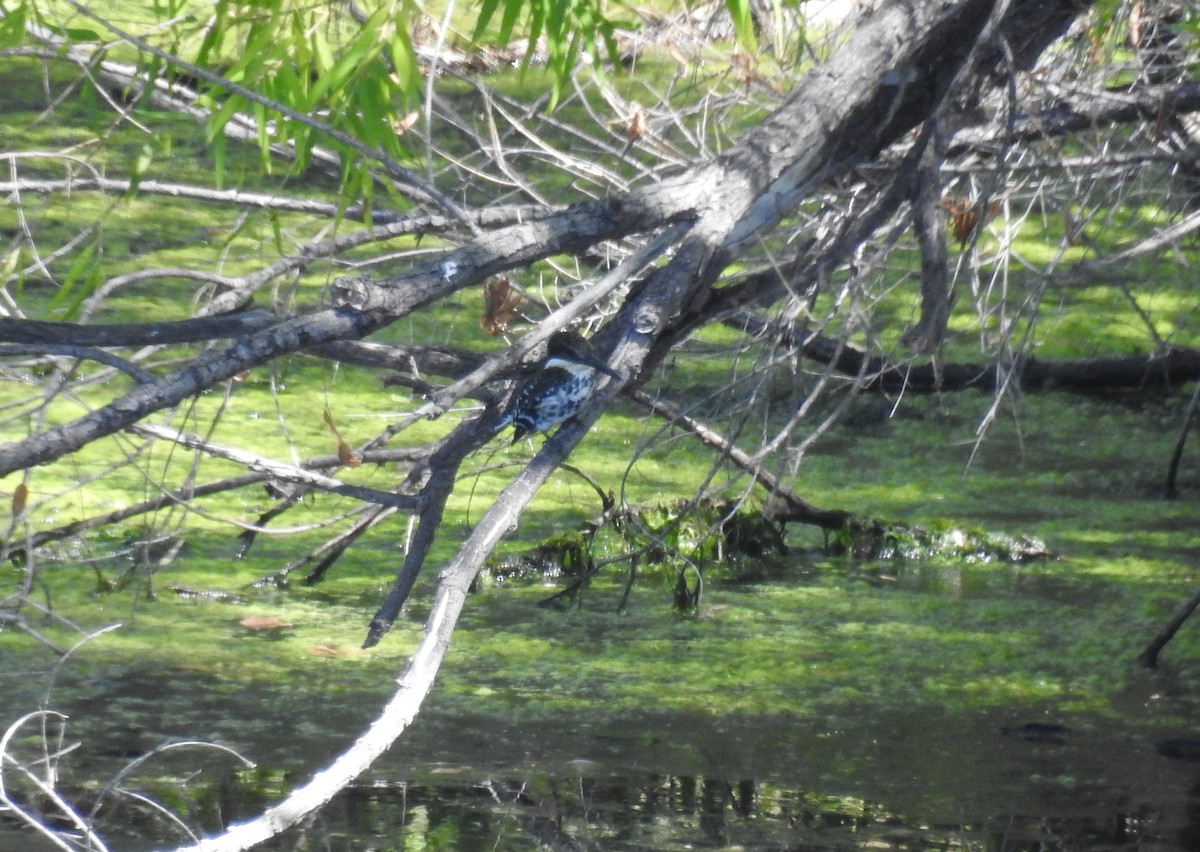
(537, 21)
(556, 22)
(486, 11)
(323, 58)
(82, 272)
(12, 28)
(221, 116)
(404, 62)
(9, 266)
(219, 160)
(214, 36)
(301, 49)
(743, 23)
(276, 231)
(73, 34)
(141, 165)
(358, 53)
(511, 12)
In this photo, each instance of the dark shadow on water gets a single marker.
(923, 778)
(538, 810)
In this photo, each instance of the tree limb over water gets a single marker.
(783, 233)
(1170, 368)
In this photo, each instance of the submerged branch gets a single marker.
(328, 552)
(442, 469)
(1149, 656)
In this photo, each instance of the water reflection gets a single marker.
(920, 779)
(688, 812)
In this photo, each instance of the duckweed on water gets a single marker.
(827, 671)
(839, 619)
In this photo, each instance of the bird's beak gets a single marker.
(597, 364)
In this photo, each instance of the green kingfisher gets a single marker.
(559, 388)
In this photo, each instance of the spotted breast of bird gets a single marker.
(558, 389)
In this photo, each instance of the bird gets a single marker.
(559, 388)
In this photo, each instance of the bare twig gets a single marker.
(279, 470)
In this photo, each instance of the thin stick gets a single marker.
(1169, 488)
(1149, 657)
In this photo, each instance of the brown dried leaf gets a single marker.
(636, 128)
(345, 455)
(19, 498)
(404, 124)
(500, 303)
(964, 216)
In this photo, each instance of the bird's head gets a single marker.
(570, 348)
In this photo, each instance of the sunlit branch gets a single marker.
(279, 470)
